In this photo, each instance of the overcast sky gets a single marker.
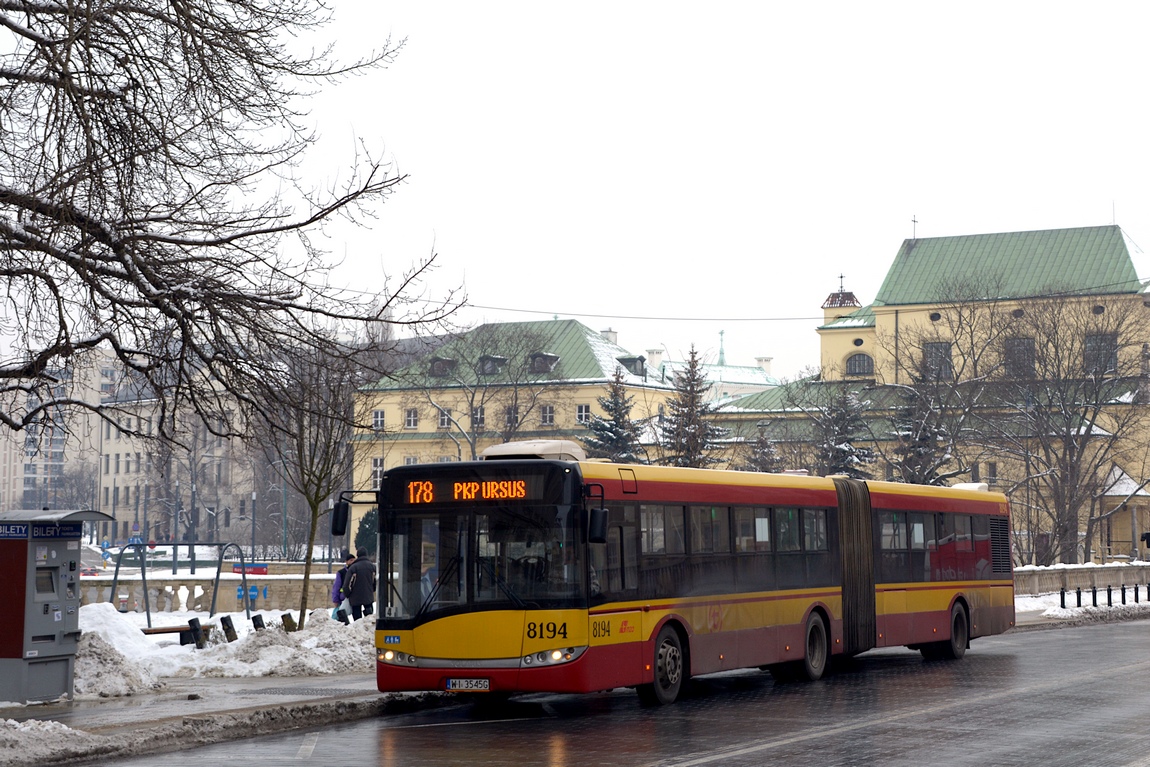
(673, 170)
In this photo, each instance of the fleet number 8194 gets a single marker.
(549, 630)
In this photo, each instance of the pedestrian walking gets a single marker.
(359, 585)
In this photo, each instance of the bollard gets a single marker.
(1094, 596)
(289, 622)
(1123, 593)
(197, 633)
(1062, 598)
(1079, 590)
(229, 628)
(1109, 596)
(1135, 593)
(258, 622)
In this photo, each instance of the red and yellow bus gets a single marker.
(534, 575)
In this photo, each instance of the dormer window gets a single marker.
(490, 365)
(634, 365)
(542, 362)
(441, 368)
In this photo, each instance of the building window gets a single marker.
(490, 366)
(441, 368)
(445, 418)
(974, 474)
(410, 460)
(547, 415)
(376, 472)
(583, 414)
(511, 416)
(411, 418)
(542, 363)
(936, 362)
(992, 473)
(445, 459)
(107, 462)
(1100, 354)
(377, 420)
(1018, 357)
(860, 365)
(478, 418)
(117, 463)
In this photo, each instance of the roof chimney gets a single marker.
(654, 358)
(764, 363)
(610, 335)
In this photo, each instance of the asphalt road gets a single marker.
(1075, 696)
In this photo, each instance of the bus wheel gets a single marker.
(669, 670)
(955, 647)
(815, 657)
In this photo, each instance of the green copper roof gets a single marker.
(585, 355)
(1085, 261)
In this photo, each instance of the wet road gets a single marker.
(1078, 696)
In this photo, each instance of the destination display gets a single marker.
(408, 487)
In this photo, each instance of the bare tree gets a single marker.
(488, 383)
(1044, 389)
(148, 203)
(1067, 407)
(310, 448)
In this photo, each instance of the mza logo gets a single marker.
(390, 639)
(626, 628)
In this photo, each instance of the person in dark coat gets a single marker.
(359, 585)
(337, 587)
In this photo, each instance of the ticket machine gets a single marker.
(40, 601)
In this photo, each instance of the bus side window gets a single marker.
(787, 531)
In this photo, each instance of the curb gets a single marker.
(180, 733)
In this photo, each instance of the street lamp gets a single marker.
(253, 525)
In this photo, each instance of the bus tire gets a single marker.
(670, 670)
(817, 651)
(954, 647)
(816, 655)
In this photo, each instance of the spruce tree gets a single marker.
(837, 426)
(687, 435)
(616, 437)
(761, 455)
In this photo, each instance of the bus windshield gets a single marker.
(502, 557)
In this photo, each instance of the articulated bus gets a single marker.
(563, 575)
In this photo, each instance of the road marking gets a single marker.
(305, 751)
(824, 732)
(464, 724)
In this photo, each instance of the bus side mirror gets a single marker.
(339, 518)
(597, 526)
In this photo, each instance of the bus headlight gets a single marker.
(396, 658)
(551, 657)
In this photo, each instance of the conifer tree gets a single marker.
(688, 436)
(616, 437)
(837, 426)
(761, 455)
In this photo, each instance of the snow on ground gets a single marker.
(115, 659)
(112, 647)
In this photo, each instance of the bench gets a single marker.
(185, 632)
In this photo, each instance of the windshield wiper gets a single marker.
(502, 585)
(452, 566)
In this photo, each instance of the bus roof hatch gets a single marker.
(552, 449)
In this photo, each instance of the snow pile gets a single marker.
(116, 658)
(35, 741)
(104, 671)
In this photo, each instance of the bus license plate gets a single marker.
(468, 685)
